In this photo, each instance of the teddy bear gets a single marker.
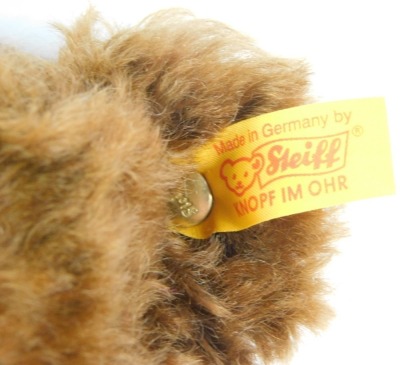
(92, 270)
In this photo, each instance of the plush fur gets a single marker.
(90, 270)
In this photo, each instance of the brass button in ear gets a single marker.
(193, 201)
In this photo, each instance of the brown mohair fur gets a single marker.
(90, 270)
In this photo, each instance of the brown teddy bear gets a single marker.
(91, 270)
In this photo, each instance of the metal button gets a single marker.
(193, 201)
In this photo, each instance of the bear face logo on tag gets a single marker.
(239, 175)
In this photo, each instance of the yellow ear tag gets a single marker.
(295, 160)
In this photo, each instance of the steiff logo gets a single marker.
(285, 158)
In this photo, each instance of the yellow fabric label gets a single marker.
(295, 160)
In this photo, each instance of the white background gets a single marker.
(353, 50)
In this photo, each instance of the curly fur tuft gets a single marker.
(90, 272)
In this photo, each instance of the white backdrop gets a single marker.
(353, 50)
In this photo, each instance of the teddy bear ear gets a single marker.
(257, 162)
(226, 169)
